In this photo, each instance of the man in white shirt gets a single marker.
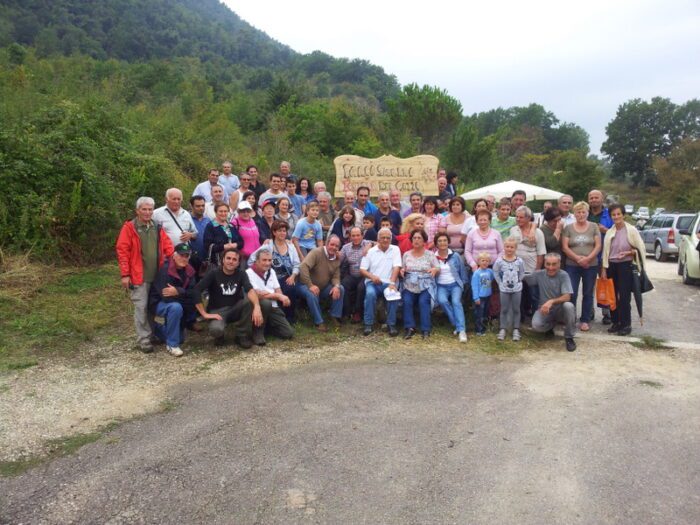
(264, 281)
(275, 192)
(176, 222)
(217, 194)
(380, 268)
(565, 203)
(203, 189)
(227, 179)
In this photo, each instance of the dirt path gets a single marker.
(63, 398)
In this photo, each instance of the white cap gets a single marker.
(244, 205)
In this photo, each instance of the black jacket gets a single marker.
(168, 274)
(215, 237)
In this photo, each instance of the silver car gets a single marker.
(660, 234)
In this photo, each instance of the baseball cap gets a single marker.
(244, 205)
(183, 249)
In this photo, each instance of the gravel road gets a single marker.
(404, 435)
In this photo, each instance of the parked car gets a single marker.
(642, 213)
(688, 254)
(660, 234)
(659, 210)
(629, 208)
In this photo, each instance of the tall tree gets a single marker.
(428, 112)
(643, 130)
(679, 176)
(471, 155)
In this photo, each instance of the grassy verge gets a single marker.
(648, 342)
(47, 311)
(55, 448)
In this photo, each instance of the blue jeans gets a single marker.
(481, 311)
(314, 302)
(449, 297)
(423, 300)
(176, 318)
(588, 276)
(372, 291)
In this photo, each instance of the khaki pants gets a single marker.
(142, 320)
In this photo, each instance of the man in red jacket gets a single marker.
(142, 247)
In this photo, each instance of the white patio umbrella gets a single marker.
(506, 189)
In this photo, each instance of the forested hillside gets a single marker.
(101, 102)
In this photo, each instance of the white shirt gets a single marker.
(381, 263)
(203, 189)
(259, 284)
(445, 276)
(469, 225)
(184, 219)
(569, 219)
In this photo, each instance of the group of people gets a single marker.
(252, 255)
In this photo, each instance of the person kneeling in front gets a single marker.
(555, 293)
(265, 284)
(231, 300)
(171, 299)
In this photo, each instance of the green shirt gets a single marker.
(149, 250)
(503, 227)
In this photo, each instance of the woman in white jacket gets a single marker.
(623, 247)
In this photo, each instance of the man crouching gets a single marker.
(170, 298)
(231, 300)
(264, 281)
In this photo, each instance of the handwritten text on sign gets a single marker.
(386, 173)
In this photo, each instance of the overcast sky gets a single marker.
(580, 60)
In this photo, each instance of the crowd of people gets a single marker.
(253, 255)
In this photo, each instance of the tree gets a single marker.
(643, 130)
(471, 155)
(427, 112)
(573, 173)
(679, 176)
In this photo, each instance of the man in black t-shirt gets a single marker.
(231, 300)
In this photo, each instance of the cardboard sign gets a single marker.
(386, 173)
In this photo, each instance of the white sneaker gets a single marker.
(175, 351)
(516, 334)
(463, 337)
(501, 334)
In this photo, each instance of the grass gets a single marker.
(65, 446)
(46, 311)
(56, 448)
(648, 342)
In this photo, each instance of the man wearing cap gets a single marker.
(171, 299)
(174, 219)
(142, 247)
(380, 268)
(265, 284)
(319, 274)
(231, 300)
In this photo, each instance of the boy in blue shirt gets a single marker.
(482, 281)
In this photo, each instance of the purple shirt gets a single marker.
(477, 243)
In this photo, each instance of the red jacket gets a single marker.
(129, 251)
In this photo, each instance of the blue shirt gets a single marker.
(394, 217)
(297, 204)
(308, 234)
(198, 242)
(369, 208)
(481, 283)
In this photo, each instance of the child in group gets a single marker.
(308, 233)
(370, 232)
(509, 270)
(482, 282)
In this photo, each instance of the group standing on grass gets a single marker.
(252, 256)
